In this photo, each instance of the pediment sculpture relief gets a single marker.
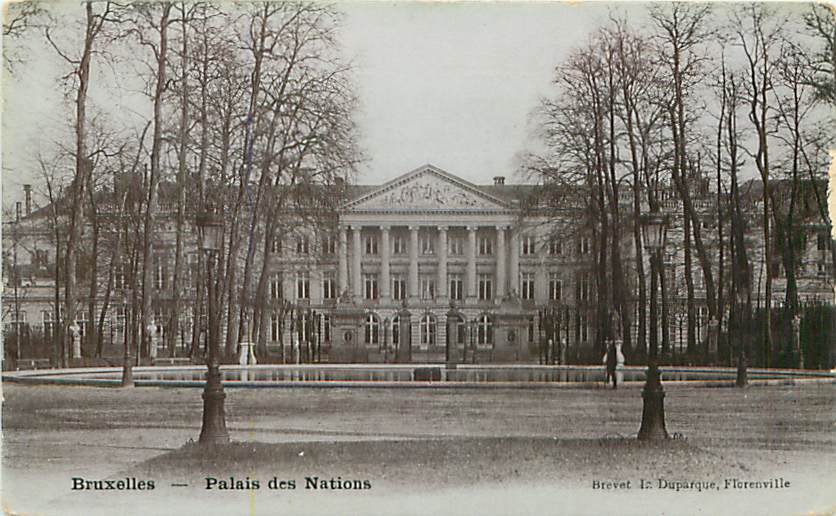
(428, 192)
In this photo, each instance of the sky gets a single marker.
(451, 84)
(444, 83)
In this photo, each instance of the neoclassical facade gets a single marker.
(428, 240)
(459, 258)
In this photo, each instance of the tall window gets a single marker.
(326, 328)
(329, 244)
(329, 285)
(120, 318)
(485, 287)
(276, 286)
(371, 244)
(461, 331)
(584, 245)
(555, 246)
(160, 274)
(119, 277)
(485, 246)
(398, 245)
(456, 287)
(18, 321)
(49, 321)
(528, 248)
(427, 243)
(427, 287)
(372, 334)
(276, 245)
(527, 285)
(428, 328)
(455, 246)
(396, 330)
(555, 286)
(303, 285)
(583, 327)
(370, 286)
(302, 245)
(484, 330)
(275, 327)
(192, 270)
(398, 287)
(582, 293)
(531, 329)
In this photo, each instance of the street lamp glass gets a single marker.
(654, 230)
(210, 227)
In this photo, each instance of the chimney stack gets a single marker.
(27, 189)
(499, 180)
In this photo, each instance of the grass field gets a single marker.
(422, 451)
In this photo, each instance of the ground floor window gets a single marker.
(428, 329)
(372, 334)
(484, 330)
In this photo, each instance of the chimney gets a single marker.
(499, 180)
(27, 189)
(17, 211)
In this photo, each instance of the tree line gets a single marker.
(653, 115)
(246, 110)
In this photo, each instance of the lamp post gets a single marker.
(214, 430)
(474, 328)
(654, 231)
(127, 359)
(742, 379)
(452, 323)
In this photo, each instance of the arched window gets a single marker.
(396, 330)
(484, 332)
(461, 330)
(372, 329)
(428, 328)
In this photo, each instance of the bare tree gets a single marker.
(684, 30)
(93, 26)
(758, 34)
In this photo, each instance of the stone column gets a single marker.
(384, 264)
(413, 263)
(501, 274)
(342, 252)
(442, 264)
(471, 264)
(514, 273)
(356, 260)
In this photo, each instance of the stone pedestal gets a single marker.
(713, 336)
(509, 324)
(75, 331)
(152, 338)
(346, 324)
(619, 361)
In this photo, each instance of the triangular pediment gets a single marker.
(427, 189)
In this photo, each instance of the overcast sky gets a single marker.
(451, 84)
(447, 84)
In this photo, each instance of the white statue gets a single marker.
(152, 346)
(246, 354)
(75, 331)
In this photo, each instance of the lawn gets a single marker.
(444, 451)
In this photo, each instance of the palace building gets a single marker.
(427, 253)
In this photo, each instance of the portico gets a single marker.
(427, 240)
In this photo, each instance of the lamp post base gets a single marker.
(742, 379)
(127, 372)
(214, 420)
(653, 411)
